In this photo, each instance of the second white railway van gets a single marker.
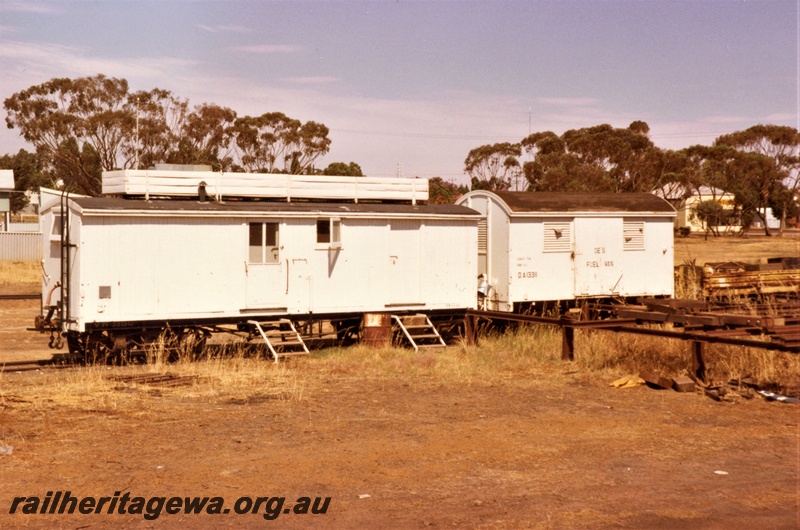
(536, 247)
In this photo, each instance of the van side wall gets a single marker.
(157, 268)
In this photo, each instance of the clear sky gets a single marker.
(410, 87)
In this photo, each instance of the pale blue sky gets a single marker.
(411, 87)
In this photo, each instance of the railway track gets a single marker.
(33, 296)
(160, 380)
(28, 366)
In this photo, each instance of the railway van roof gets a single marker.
(179, 208)
(565, 202)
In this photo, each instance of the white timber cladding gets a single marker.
(171, 183)
(147, 265)
(565, 252)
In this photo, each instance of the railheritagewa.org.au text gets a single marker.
(151, 508)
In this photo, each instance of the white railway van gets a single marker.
(538, 247)
(114, 267)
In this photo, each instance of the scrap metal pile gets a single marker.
(773, 326)
(778, 277)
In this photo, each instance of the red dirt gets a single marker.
(548, 449)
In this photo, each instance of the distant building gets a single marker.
(33, 203)
(686, 200)
(6, 187)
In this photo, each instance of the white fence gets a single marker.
(21, 246)
(24, 227)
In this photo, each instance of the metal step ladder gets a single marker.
(418, 330)
(282, 342)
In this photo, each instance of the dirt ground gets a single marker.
(550, 447)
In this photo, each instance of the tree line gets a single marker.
(81, 127)
(759, 166)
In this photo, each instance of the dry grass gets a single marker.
(234, 374)
(94, 388)
(498, 358)
(20, 272)
(696, 248)
(606, 352)
(522, 356)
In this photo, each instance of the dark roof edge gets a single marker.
(549, 202)
(211, 207)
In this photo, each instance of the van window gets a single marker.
(263, 243)
(329, 232)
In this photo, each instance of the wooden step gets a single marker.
(275, 337)
(419, 328)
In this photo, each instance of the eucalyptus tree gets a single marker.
(343, 169)
(205, 137)
(755, 181)
(84, 126)
(81, 127)
(752, 178)
(159, 118)
(258, 140)
(627, 156)
(443, 192)
(782, 144)
(599, 158)
(77, 124)
(553, 168)
(494, 167)
(305, 146)
(275, 143)
(707, 172)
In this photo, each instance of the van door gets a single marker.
(265, 282)
(598, 249)
(404, 262)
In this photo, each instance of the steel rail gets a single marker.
(31, 296)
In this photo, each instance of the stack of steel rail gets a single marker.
(781, 276)
(767, 326)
